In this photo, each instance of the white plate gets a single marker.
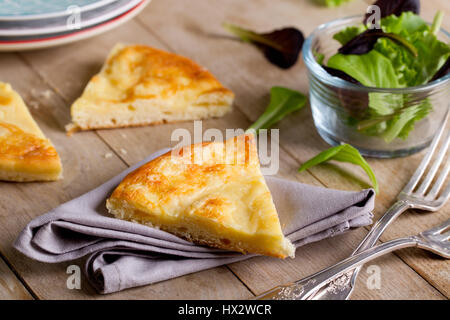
(64, 24)
(51, 41)
(17, 10)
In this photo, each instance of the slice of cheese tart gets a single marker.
(25, 153)
(211, 194)
(139, 85)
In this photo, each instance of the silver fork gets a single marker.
(414, 195)
(435, 240)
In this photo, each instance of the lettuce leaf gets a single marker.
(408, 69)
(404, 25)
(403, 123)
(432, 53)
(372, 69)
(348, 34)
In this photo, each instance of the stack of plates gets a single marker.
(31, 24)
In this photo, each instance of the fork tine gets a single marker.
(446, 236)
(438, 229)
(434, 168)
(439, 182)
(422, 166)
(445, 195)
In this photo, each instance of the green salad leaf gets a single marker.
(432, 53)
(404, 25)
(318, 56)
(392, 65)
(342, 153)
(372, 69)
(437, 21)
(283, 101)
(401, 124)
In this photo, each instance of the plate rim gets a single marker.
(61, 28)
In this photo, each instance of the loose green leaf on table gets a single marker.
(283, 101)
(281, 47)
(342, 153)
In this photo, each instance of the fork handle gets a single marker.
(303, 289)
(347, 283)
(378, 228)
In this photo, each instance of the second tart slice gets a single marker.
(140, 85)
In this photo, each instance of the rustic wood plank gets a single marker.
(214, 284)
(10, 287)
(252, 77)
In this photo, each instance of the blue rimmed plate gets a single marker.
(42, 9)
(51, 40)
(11, 28)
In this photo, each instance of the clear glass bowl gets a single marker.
(340, 108)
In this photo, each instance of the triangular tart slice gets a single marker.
(210, 193)
(25, 153)
(139, 85)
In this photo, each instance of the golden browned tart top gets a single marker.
(25, 153)
(140, 85)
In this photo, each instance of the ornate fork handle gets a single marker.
(378, 228)
(341, 288)
(302, 289)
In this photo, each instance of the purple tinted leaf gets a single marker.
(290, 42)
(365, 41)
(443, 71)
(397, 7)
(362, 43)
(354, 102)
(281, 47)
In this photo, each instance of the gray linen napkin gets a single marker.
(124, 254)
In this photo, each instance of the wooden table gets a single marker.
(50, 80)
